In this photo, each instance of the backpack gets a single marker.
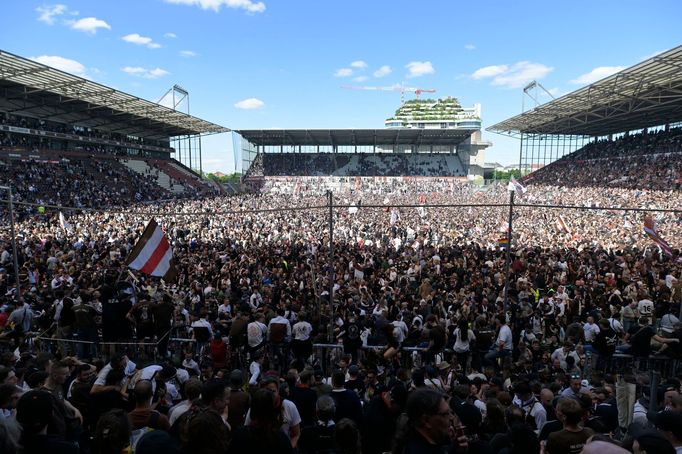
(136, 434)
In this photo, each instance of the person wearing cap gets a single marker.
(355, 382)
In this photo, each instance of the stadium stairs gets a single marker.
(162, 178)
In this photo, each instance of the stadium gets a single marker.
(353, 276)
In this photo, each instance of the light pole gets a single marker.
(14, 241)
(508, 256)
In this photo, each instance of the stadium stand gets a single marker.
(639, 161)
(357, 164)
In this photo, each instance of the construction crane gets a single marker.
(397, 87)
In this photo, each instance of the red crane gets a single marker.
(397, 87)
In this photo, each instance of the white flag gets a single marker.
(516, 186)
(62, 222)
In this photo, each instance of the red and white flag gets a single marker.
(652, 231)
(562, 226)
(152, 254)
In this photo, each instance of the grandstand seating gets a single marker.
(357, 164)
(652, 161)
(162, 178)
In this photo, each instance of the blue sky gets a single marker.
(281, 63)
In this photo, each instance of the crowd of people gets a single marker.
(424, 348)
(641, 161)
(361, 164)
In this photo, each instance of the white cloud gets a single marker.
(144, 72)
(170, 35)
(489, 71)
(521, 73)
(596, 74)
(343, 72)
(419, 68)
(470, 47)
(250, 104)
(188, 53)
(358, 64)
(140, 40)
(385, 70)
(49, 12)
(215, 5)
(514, 76)
(89, 25)
(360, 78)
(61, 63)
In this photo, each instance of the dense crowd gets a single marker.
(423, 354)
(361, 164)
(641, 161)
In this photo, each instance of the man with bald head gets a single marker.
(547, 399)
(143, 415)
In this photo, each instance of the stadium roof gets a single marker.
(29, 88)
(644, 95)
(343, 137)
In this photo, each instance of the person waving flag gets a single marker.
(152, 254)
(651, 230)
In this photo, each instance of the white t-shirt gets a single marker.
(462, 345)
(102, 376)
(591, 330)
(255, 333)
(505, 336)
(645, 308)
(302, 331)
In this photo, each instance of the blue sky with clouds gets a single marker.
(281, 63)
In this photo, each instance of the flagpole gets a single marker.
(509, 246)
(331, 266)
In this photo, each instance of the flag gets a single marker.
(63, 223)
(152, 254)
(516, 186)
(562, 226)
(651, 230)
(503, 242)
(504, 227)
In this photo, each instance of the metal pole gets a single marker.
(653, 390)
(509, 246)
(331, 265)
(14, 244)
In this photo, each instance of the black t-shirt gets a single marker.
(605, 342)
(84, 315)
(640, 340)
